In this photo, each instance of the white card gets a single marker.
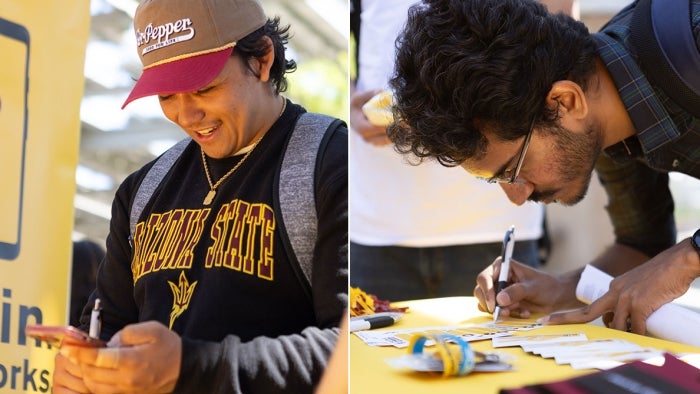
(535, 340)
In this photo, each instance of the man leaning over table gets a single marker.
(536, 104)
(405, 243)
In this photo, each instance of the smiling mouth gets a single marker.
(205, 132)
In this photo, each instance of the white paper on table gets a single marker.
(671, 321)
(526, 342)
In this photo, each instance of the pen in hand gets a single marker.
(95, 320)
(506, 255)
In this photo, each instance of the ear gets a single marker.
(265, 62)
(569, 99)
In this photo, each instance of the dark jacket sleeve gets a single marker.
(114, 277)
(290, 363)
(640, 205)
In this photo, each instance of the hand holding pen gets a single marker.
(506, 255)
(96, 320)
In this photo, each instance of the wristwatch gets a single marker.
(695, 241)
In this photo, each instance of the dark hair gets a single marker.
(461, 65)
(252, 46)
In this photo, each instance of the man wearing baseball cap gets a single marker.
(198, 291)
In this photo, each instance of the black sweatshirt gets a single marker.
(219, 276)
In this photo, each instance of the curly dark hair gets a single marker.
(465, 64)
(253, 45)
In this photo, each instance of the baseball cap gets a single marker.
(184, 44)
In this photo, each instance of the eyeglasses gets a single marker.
(506, 177)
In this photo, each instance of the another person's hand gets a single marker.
(373, 134)
(335, 376)
(528, 291)
(141, 358)
(636, 294)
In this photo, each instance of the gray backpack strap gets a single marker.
(297, 197)
(150, 182)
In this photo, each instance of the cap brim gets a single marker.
(184, 75)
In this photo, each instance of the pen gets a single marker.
(506, 255)
(95, 320)
(371, 322)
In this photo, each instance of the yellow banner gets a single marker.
(42, 47)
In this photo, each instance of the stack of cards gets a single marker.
(469, 333)
(578, 351)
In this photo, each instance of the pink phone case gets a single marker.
(62, 335)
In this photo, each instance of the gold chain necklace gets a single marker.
(213, 186)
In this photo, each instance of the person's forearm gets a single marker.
(618, 259)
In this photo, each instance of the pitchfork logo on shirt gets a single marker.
(182, 294)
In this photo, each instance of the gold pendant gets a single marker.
(210, 196)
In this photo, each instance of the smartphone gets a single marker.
(14, 88)
(57, 336)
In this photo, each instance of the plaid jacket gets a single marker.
(668, 139)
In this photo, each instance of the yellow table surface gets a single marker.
(369, 373)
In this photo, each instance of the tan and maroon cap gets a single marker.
(184, 44)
